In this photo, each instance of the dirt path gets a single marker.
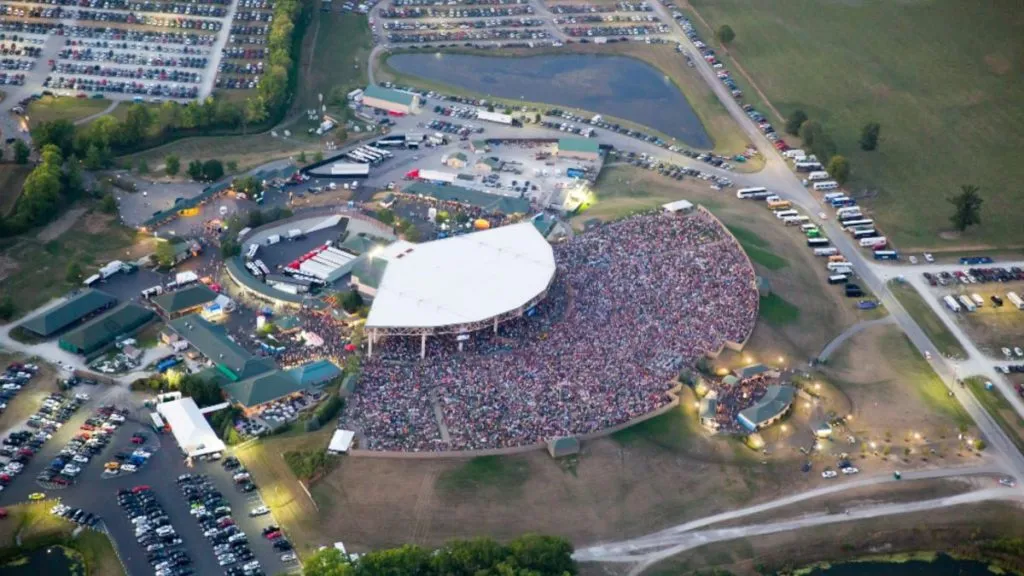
(836, 342)
(737, 66)
(61, 225)
(103, 112)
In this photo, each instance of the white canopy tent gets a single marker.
(190, 428)
(341, 441)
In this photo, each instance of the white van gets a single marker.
(826, 185)
(818, 176)
(808, 227)
(782, 214)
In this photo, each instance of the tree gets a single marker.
(165, 254)
(536, 118)
(93, 158)
(725, 34)
(213, 170)
(351, 301)
(143, 166)
(302, 157)
(967, 206)
(73, 273)
(195, 170)
(255, 219)
(795, 121)
(172, 164)
(386, 216)
(232, 166)
(229, 248)
(108, 204)
(60, 133)
(839, 168)
(21, 151)
(6, 308)
(318, 156)
(869, 136)
(204, 393)
(809, 129)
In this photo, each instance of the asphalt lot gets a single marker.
(97, 494)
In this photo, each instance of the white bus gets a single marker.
(847, 210)
(263, 267)
(967, 303)
(786, 214)
(951, 303)
(385, 153)
(978, 300)
(756, 193)
(838, 279)
(864, 233)
(874, 242)
(251, 252)
(795, 220)
(807, 166)
(830, 251)
(832, 196)
(374, 156)
(848, 224)
(359, 157)
(817, 242)
(1015, 300)
(818, 175)
(826, 185)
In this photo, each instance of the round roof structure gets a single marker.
(461, 283)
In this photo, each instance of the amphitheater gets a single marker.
(630, 304)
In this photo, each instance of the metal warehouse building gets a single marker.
(391, 100)
(76, 308)
(99, 332)
(184, 301)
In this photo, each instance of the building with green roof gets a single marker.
(361, 243)
(212, 341)
(74, 309)
(184, 301)
(315, 373)
(492, 203)
(367, 274)
(579, 148)
(97, 333)
(563, 446)
(391, 100)
(252, 393)
(769, 409)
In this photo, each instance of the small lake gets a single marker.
(942, 565)
(613, 85)
(49, 561)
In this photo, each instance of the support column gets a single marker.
(423, 346)
(370, 353)
(495, 324)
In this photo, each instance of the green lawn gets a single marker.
(672, 430)
(48, 108)
(335, 53)
(941, 77)
(944, 340)
(12, 176)
(757, 248)
(506, 473)
(1000, 410)
(777, 311)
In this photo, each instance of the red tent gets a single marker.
(350, 347)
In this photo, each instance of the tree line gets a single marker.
(48, 188)
(528, 555)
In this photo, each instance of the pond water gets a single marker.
(942, 566)
(51, 561)
(614, 85)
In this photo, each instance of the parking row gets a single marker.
(15, 377)
(466, 36)
(132, 58)
(208, 9)
(622, 32)
(142, 19)
(464, 25)
(254, 16)
(976, 276)
(456, 13)
(606, 18)
(154, 532)
(450, 3)
(133, 35)
(93, 437)
(15, 49)
(105, 85)
(139, 73)
(20, 446)
(601, 9)
(213, 514)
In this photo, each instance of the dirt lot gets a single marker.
(899, 403)
(940, 530)
(989, 327)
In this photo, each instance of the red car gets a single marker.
(273, 535)
(141, 488)
(60, 481)
(88, 427)
(138, 440)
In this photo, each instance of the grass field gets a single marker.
(943, 82)
(1000, 409)
(335, 54)
(12, 176)
(48, 109)
(757, 249)
(248, 151)
(34, 526)
(777, 311)
(33, 271)
(944, 340)
(727, 136)
(505, 474)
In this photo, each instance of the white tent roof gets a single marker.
(189, 427)
(462, 279)
(341, 441)
(677, 206)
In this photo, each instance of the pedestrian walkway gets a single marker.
(850, 332)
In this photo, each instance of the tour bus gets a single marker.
(874, 242)
(846, 210)
(253, 249)
(253, 269)
(359, 157)
(828, 197)
(806, 227)
(786, 214)
(756, 193)
(967, 303)
(826, 185)
(779, 204)
(849, 216)
(887, 255)
(817, 242)
(367, 151)
(838, 279)
(807, 166)
(828, 251)
(951, 303)
(864, 233)
(384, 153)
(795, 220)
(833, 266)
(844, 203)
(848, 224)
(818, 176)
(1015, 300)
(263, 267)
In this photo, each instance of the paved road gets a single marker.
(850, 332)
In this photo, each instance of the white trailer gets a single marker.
(951, 303)
(967, 303)
(830, 251)
(315, 270)
(251, 252)
(111, 268)
(437, 176)
(350, 170)
(384, 153)
(1015, 300)
(494, 117)
(273, 239)
(873, 242)
(91, 280)
(294, 233)
(187, 277)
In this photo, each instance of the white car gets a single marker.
(1007, 353)
(80, 459)
(82, 396)
(289, 557)
(142, 453)
(828, 474)
(928, 257)
(913, 259)
(259, 511)
(850, 470)
(128, 468)
(1018, 351)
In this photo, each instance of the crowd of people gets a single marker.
(628, 295)
(733, 399)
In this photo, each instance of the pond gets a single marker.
(942, 565)
(617, 86)
(51, 561)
